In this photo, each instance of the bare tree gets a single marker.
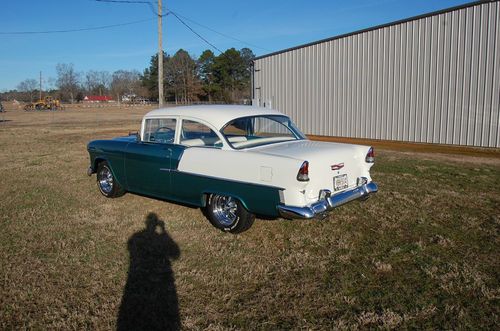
(97, 82)
(67, 80)
(184, 82)
(125, 82)
(28, 86)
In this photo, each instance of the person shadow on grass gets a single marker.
(149, 300)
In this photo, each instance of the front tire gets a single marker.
(228, 214)
(106, 182)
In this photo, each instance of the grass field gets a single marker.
(422, 253)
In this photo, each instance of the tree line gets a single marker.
(72, 86)
(223, 78)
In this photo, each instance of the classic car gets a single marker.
(234, 162)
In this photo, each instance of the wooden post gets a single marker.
(40, 92)
(160, 56)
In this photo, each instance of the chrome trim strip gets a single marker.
(321, 207)
(228, 179)
(167, 169)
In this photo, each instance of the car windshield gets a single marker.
(255, 131)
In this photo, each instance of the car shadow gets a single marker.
(149, 300)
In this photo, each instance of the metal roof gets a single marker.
(413, 18)
(97, 98)
(217, 115)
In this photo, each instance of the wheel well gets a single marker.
(97, 161)
(206, 195)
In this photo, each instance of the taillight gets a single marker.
(303, 174)
(370, 156)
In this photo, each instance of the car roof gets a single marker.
(217, 115)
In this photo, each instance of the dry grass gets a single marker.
(423, 253)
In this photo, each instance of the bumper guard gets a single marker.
(327, 202)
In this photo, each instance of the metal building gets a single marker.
(433, 78)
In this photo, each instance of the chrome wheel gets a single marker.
(105, 180)
(228, 214)
(225, 209)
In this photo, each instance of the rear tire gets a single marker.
(228, 214)
(106, 182)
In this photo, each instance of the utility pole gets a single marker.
(160, 57)
(40, 92)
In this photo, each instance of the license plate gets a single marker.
(340, 182)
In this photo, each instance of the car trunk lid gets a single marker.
(327, 161)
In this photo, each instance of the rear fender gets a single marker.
(257, 200)
(206, 194)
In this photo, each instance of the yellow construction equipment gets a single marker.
(47, 103)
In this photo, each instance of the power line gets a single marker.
(220, 33)
(77, 29)
(149, 3)
(200, 36)
(177, 15)
(196, 33)
(125, 1)
(159, 14)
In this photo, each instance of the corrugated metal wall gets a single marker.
(435, 79)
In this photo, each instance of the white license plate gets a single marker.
(340, 182)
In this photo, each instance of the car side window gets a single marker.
(160, 130)
(198, 134)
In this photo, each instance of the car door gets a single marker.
(149, 162)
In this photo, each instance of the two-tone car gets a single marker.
(235, 162)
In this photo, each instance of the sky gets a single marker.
(264, 26)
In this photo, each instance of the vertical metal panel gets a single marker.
(434, 79)
(495, 103)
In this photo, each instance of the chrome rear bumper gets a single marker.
(327, 202)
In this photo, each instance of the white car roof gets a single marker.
(217, 115)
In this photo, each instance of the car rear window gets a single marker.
(255, 131)
(198, 134)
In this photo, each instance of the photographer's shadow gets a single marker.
(150, 299)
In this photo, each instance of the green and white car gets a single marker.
(235, 162)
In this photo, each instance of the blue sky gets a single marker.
(270, 25)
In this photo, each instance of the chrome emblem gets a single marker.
(337, 166)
